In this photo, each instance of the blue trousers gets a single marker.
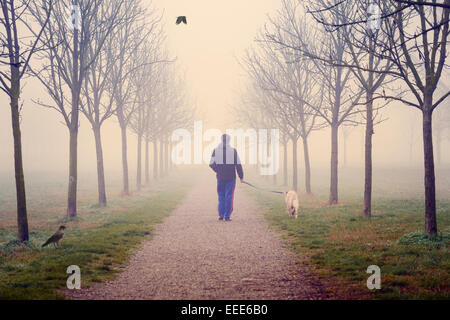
(225, 190)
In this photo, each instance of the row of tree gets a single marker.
(100, 58)
(322, 63)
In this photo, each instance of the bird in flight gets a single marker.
(56, 238)
(181, 19)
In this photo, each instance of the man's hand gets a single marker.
(242, 180)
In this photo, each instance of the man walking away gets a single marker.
(225, 162)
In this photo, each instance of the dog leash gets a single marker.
(272, 191)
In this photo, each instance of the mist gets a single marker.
(208, 57)
(217, 70)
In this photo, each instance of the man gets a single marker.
(225, 162)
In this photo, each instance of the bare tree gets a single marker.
(277, 119)
(252, 108)
(143, 27)
(287, 88)
(67, 61)
(144, 90)
(256, 108)
(15, 57)
(147, 80)
(420, 68)
(417, 34)
(273, 103)
(361, 42)
(171, 111)
(298, 85)
(151, 126)
(94, 104)
(341, 93)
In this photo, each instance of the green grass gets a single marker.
(442, 239)
(98, 241)
(338, 243)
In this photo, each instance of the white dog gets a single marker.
(291, 199)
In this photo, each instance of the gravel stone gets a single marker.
(193, 256)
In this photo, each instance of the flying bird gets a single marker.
(56, 238)
(181, 19)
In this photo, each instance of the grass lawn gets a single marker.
(339, 244)
(99, 240)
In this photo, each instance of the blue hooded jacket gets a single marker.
(225, 161)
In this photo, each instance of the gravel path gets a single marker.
(194, 256)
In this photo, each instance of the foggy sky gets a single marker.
(217, 34)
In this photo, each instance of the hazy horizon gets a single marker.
(207, 50)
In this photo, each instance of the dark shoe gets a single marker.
(220, 218)
(227, 220)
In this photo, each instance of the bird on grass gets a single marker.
(56, 238)
(181, 19)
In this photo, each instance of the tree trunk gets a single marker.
(22, 219)
(147, 163)
(166, 162)
(100, 167)
(307, 166)
(294, 165)
(285, 164)
(73, 132)
(170, 156)
(368, 138)
(430, 187)
(155, 159)
(126, 185)
(368, 157)
(161, 159)
(73, 173)
(334, 165)
(11, 48)
(139, 164)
